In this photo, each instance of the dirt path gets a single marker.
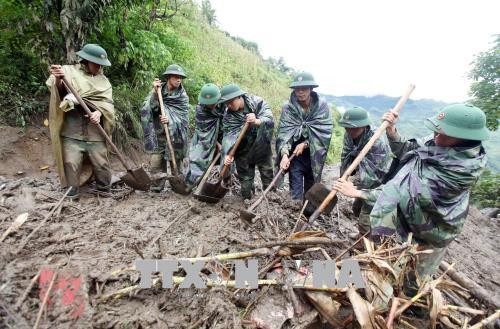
(97, 236)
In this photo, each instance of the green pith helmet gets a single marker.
(355, 117)
(229, 92)
(303, 79)
(95, 54)
(175, 69)
(209, 94)
(462, 121)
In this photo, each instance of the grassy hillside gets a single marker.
(139, 47)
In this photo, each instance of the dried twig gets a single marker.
(470, 285)
(25, 241)
(27, 291)
(486, 321)
(392, 313)
(352, 246)
(45, 299)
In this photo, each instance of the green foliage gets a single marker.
(208, 12)
(486, 193)
(485, 89)
(337, 140)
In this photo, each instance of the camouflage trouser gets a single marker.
(73, 152)
(361, 210)
(426, 266)
(159, 164)
(246, 174)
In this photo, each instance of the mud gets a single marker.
(103, 234)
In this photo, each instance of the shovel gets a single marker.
(331, 194)
(135, 178)
(176, 181)
(207, 174)
(213, 192)
(248, 214)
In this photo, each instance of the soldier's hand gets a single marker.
(95, 117)
(156, 84)
(57, 71)
(299, 149)
(347, 188)
(391, 118)
(228, 160)
(285, 162)
(251, 119)
(164, 119)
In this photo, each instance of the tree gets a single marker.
(208, 12)
(485, 90)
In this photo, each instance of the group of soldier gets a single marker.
(402, 186)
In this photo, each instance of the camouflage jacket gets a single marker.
(374, 166)
(256, 145)
(208, 131)
(429, 195)
(176, 106)
(315, 126)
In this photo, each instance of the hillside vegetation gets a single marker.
(141, 38)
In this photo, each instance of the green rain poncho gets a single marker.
(374, 166)
(176, 106)
(429, 195)
(315, 125)
(203, 144)
(256, 146)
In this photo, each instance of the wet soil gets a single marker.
(98, 238)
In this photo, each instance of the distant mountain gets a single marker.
(411, 119)
(378, 104)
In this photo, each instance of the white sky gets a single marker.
(368, 47)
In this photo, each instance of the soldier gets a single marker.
(255, 148)
(74, 134)
(208, 133)
(428, 194)
(374, 166)
(176, 104)
(305, 129)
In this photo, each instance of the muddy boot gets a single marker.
(74, 193)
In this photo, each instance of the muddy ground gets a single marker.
(100, 234)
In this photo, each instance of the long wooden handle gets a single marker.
(207, 173)
(363, 152)
(70, 88)
(233, 150)
(275, 179)
(167, 134)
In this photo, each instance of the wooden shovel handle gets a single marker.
(72, 90)
(363, 152)
(233, 150)
(167, 134)
(275, 179)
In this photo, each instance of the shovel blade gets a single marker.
(211, 192)
(316, 194)
(178, 185)
(137, 179)
(248, 216)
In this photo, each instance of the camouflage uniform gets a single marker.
(428, 196)
(255, 148)
(176, 105)
(297, 126)
(203, 144)
(370, 172)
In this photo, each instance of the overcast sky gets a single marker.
(372, 46)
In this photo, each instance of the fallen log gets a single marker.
(475, 289)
